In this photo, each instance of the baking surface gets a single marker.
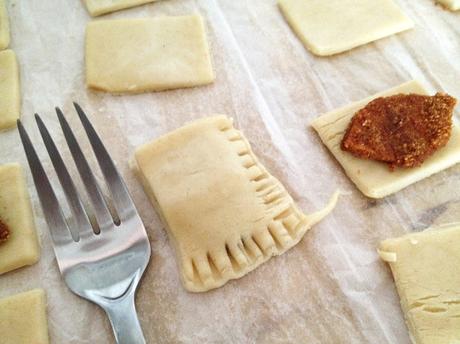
(331, 287)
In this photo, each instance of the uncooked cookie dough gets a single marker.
(374, 179)
(328, 27)
(10, 97)
(21, 248)
(23, 318)
(225, 213)
(98, 7)
(4, 27)
(426, 269)
(452, 5)
(138, 55)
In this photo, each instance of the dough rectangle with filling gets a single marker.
(426, 270)
(21, 248)
(4, 26)
(99, 7)
(373, 178)
(328, 27)
(225, 213)
(23, 318)
(153, 54)
(10, 99)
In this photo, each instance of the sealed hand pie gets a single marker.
(224, 212)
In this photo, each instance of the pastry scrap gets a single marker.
(373, 178)
(426, 270)
(401, 130)
(4, 232)
(99, 7)
(452, 5)
(23, 318)
(225, 213)
(10, 99)
(4, 27)
(151, 54)
(21, 248)
(328, 27)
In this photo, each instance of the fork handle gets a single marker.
(123, 317)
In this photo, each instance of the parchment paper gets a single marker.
(330, 288)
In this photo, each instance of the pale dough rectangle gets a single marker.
(22, 247)
(328, 27)
(374, 179)
(10, 96)
(23, 318)
(154, 54)
(426, 270)
(4, 26)
(452, 5)
(225, 213)
(99, 7)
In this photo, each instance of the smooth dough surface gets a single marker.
(98, 7)
(10, 96)
(23, 318)
(426, 270)
(373, 178)
(4, 26)
(154, 54)
(224, 212)
(328, 27)
(452, 5)
(22, 247)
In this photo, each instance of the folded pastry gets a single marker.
(426, 269)
(452, 5)
(23, 318)
(10, 96)
(224, 212)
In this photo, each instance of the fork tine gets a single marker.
(102, 213)
(59, 230)
(121, 198)
(82, 223)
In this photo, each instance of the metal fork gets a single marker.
(101, 260)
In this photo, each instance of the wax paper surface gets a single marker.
(331, 287)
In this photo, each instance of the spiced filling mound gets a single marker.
(4, 232)
(401, 130)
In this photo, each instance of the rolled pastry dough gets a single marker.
(426, 269)
(374, 179)
(15, 211)
(98, 7)
(4, 27)
(224, 212)
(10, 97)
(452, 5)
(23, 318)
(138, 55)
(328, 27)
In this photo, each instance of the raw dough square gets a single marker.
(426, 269)
(10, 97)
(23, 318)
(15, 211)
(225, 213)
(4, 26)
(328, 27)
(98, 7)
(452, 5)
(373, 178)
(155, 54)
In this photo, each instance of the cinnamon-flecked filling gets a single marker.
(4, 232)
(401, 130)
